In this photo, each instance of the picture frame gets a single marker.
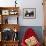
(5, 12)
(29, 13)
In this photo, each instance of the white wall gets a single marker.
(27, 4)
(39, 13)
(7, 3)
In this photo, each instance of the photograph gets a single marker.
(29, 13)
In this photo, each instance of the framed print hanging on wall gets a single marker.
(29, 13)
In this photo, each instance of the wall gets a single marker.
(27, 4)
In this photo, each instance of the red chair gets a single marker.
(29, 33)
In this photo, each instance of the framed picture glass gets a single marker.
(29, 13)
(5, 12)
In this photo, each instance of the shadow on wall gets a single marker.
(37, 29)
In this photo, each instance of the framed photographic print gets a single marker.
(29, 13)
(5, 12)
